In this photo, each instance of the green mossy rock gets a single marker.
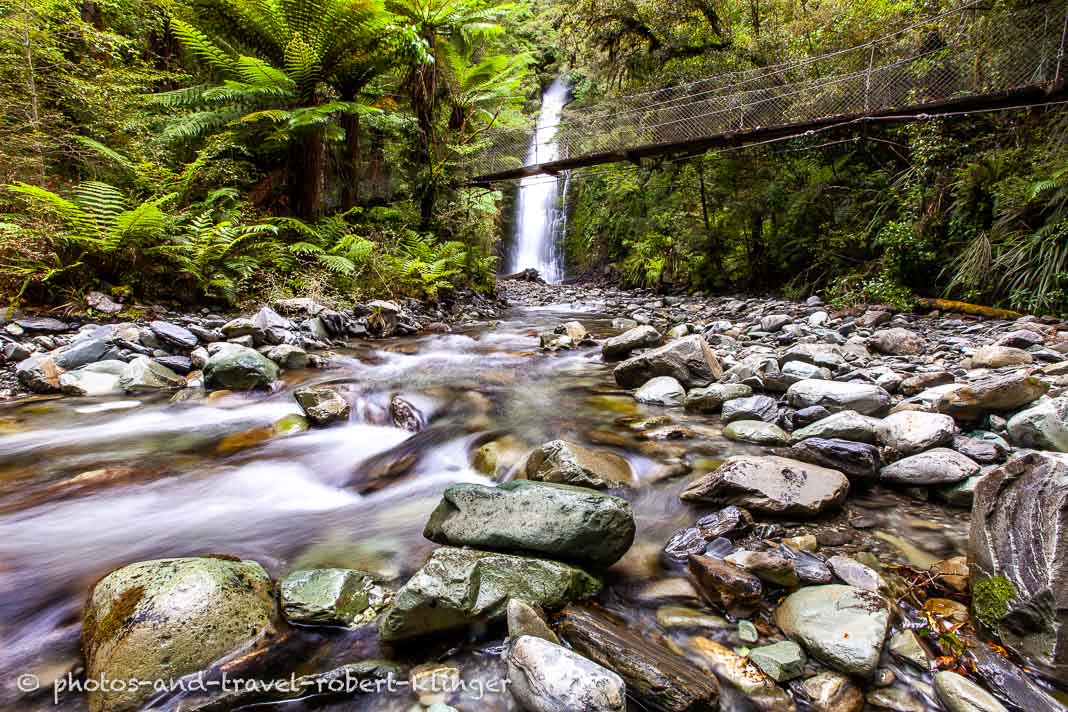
(163, 619)
(564, 522)
(460, 587)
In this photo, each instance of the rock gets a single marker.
(1044, 426)
(239, 368)
(322, 405)
(836, 396)
(42, 325)
(161, 620)
(620, 347)
(907, 646)
(384, 318)
(569, 523)
(145, 374)
(999, 357)
(575, 330)
(85, 382)
(238, 327)
(411, 411)
(81, 353)
(894, 699)
(845, 425)
(525, 619)
(182, 365)
(755, 689)
(662, 390)
(752, 408)
(775, 322)
(288, 356)
(712, 398)
(959, 694)
(460, 587)
(544, 677)
(853, 459)
(1018, 559)
(555, 342)
(774, 485)
(840, 625)
(340, 597)
(668, 617)
(173, 334)
(940, 466)
(998, 394)
(725, 585)
(897, 341)
(756, 432)
(97, 301)
(782, 661)
(655, 676)
(767, 566)
(922, 381)
(14, 352)
(909, 432)
(302, 306)
(984, 448)
(855, 573)
(873, 318)
(689, 360)
(726, 522)
(827, 356)
(831, 692)
(563, 462)
(39, 374)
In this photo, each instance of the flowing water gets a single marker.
(89, 485)
(541, 216)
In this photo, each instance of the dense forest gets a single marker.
(224, 150)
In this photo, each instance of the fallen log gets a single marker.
(950, 305)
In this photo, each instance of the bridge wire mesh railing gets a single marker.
(964, 52)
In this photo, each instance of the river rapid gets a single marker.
(89, 485)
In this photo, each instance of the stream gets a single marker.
(91, 484)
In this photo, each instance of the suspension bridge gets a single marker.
(964, 59)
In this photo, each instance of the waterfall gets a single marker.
(540, 219)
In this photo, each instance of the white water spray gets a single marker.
(540, 219)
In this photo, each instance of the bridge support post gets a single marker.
(1060, 53)
(867, 80)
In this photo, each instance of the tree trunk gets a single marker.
(31, 87)
(350, 188)
(307, 161)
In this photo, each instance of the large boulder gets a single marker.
(39, 374)
(566, 463)
(340, 597)
(688, 360)
(959, 694)
(711, 398)
(762, 408)
(239, 368)
(999, 357)
(461, 587)
(775, 485)
(857, 460)
(161, 620)
(662, 390)
(1018, 555)
(908, 432)
(996, 394)
(898, 341)
(1044, 426)
(322, 405)
(619, 347)
(845, 425)
(544, 677)
(146, 374)
(837, 396)
(173, 334)
(570, 523)
(841, 625)
(657, 677)
(940, 466)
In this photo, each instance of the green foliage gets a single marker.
(991, 598)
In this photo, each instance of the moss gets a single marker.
(106, 628)
(990, 599)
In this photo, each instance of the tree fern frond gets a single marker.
(200, 46)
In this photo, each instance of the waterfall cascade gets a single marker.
(540, 215)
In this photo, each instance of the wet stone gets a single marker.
(782, 661)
